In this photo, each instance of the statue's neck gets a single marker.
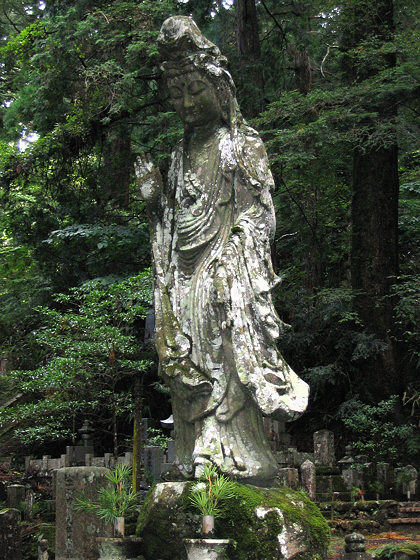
(198, 135)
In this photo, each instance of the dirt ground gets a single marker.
(372, 542)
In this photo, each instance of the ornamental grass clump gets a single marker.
(115, 500)
(210, 490)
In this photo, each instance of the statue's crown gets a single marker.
(184, 48)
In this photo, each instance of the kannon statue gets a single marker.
(211, 224)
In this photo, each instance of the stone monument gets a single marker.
(76, 531)
(211, 225)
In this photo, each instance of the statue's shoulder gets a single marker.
(254, 157)
(250, 143)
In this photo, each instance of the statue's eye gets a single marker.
(175, 92)
(196, 87)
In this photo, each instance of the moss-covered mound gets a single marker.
(396, 552)
(266, 524)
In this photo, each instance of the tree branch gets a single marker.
(11, 22)
(273, 17)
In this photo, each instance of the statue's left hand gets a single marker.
(148, 177)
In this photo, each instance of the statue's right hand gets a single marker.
(148, 177)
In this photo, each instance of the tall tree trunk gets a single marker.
(374, 251)
(117, 165)
(249, 51)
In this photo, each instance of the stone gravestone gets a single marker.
(76, 531)
(10, 537)
(288, 476)
(16, 494)
(211, 227)
(308, 474)
(324, 453)
(385, 477)
(152, 457)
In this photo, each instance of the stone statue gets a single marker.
(211, 226)
(43, 549)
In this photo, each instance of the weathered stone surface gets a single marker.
(16, 494)
(76, 531)
(385, 477)
(210, 549)
(119, 548)
(324, 453)
(355, 548)
(308, 474)
(211, 227)
(10, 538)
(289, 477)
(348, 459)
(353, 477)
(43, 549)
(272, 523)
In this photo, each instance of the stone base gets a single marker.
(266, 524)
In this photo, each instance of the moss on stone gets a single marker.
(257, 538)
(163, 523)
(247, 519)
(389, 551)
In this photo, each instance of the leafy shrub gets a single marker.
(375, 433)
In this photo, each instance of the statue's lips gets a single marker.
(192, 115)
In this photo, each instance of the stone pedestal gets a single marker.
(10, 538)
(272, 523)
(208, 549)
(76, 531)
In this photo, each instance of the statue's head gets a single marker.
(200, 88)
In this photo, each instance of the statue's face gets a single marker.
(194, 99)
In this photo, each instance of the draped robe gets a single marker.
(216, 326)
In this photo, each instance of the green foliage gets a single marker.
(91, 356)
(114, 500)
(407, 315)
(211, 489)
(357, 493)
(155, 436)
(375, 433)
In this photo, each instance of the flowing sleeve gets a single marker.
(247, 272)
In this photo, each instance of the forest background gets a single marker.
(332, 87)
